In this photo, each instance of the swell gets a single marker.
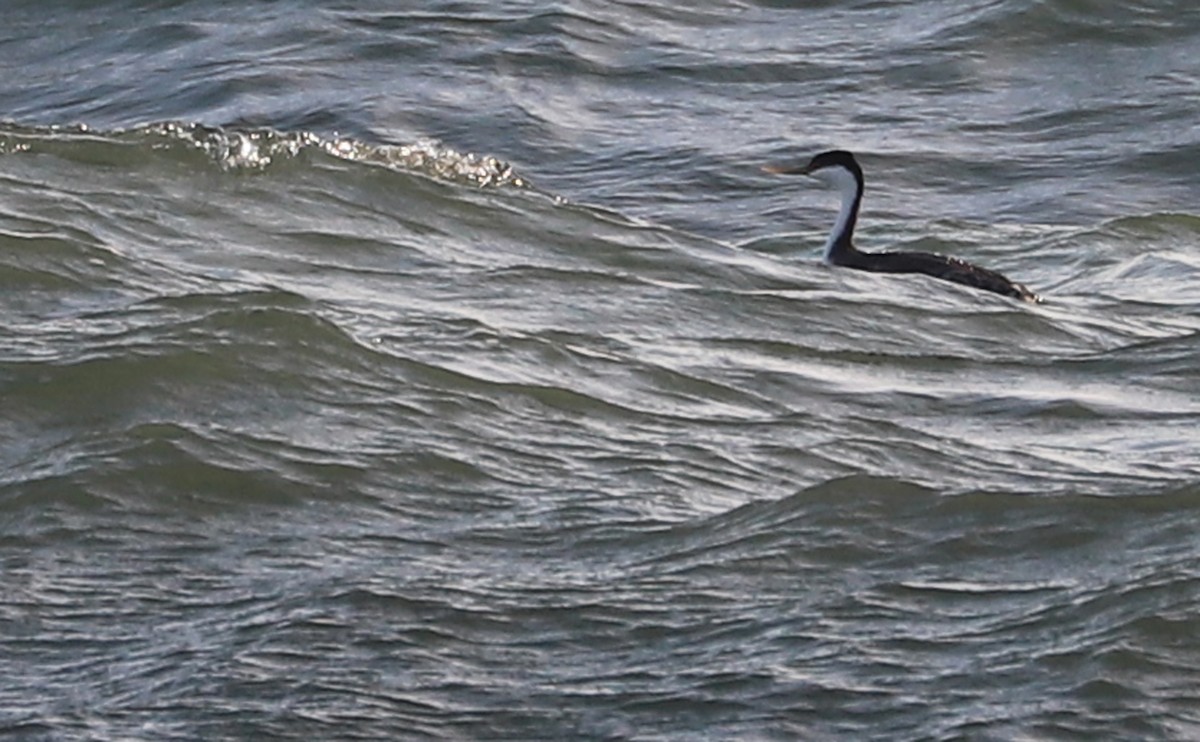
(913, 574)
(180, 394)
(1051, 23)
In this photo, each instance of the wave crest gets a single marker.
(248, 148)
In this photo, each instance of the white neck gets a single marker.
(844, 181)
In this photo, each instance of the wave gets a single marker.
(250, 149)
(1055, 22)
(859, 519)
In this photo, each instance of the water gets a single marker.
(453, 372)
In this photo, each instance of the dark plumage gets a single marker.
(841, 169)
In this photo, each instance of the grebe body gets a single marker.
(839, 169)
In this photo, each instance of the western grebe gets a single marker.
(839, 168)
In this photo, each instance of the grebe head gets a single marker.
(836, 167)
(839, 169)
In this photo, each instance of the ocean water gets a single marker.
(453, 371)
